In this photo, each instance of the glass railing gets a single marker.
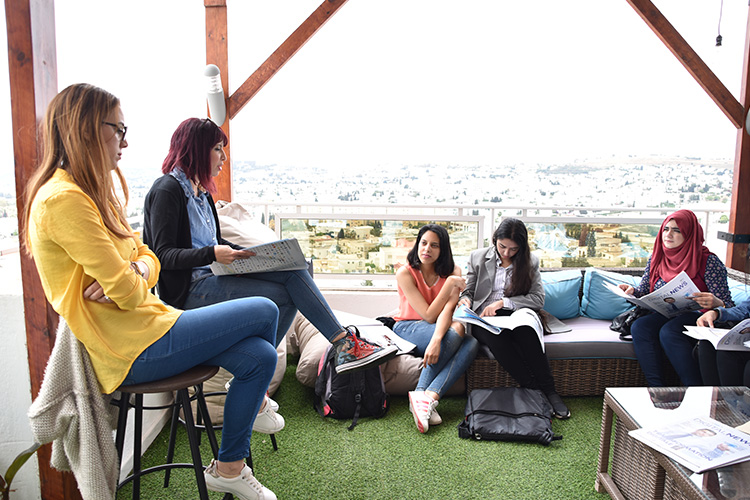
(353, 245)
(371, 241)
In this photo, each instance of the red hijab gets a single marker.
(691, 256)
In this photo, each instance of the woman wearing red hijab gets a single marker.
(679, 248)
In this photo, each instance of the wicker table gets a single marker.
(638, 472)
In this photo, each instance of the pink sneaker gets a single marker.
(421, 406)
(435, 419)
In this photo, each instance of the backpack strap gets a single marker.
(322, 383)
(358, 399)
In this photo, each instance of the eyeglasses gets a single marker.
(120, 131)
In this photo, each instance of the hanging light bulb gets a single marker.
(217, 106)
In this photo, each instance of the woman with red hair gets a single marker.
(679, 248)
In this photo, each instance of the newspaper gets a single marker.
(700, 444)
(282, 255)
(496, 324)
(725, 339)
(670, 300)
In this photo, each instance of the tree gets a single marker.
(583, 237)
(591, 244)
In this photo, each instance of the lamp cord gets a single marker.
(718, 29)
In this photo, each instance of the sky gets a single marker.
(412, 82)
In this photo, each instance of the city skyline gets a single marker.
(480, 85)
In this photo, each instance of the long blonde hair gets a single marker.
(71, 134)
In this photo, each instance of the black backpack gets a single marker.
(350, 394)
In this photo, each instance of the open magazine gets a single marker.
(374, 331)
(670, 300)
(384, 337)
(725, 339)
(496, 324)
(700, 444)
(282, 255)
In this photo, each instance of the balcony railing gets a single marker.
(363, 244)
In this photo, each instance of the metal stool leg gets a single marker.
(137, 433)
(192, 433)
(122, 420)
(200, 401)
(172, 440)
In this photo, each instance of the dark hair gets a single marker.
(444, 264)
(515, 230)
(190, 150)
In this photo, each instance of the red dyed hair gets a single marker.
(190, 150)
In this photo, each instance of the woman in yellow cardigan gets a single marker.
(97, 274)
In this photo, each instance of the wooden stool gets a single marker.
(180, 383)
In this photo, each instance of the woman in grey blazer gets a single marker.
(501, 279)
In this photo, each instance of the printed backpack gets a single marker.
(352, 394)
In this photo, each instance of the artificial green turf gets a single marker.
(389, 459)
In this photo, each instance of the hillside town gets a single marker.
(369, 244)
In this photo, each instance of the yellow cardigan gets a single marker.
(72, 247)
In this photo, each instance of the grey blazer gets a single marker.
(481, 277)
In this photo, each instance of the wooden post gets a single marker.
(217, 52)
(739, 211)
(736, 111)
(32, 65)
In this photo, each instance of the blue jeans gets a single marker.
(456, 354)
(289, 290)
(654, 335)
(237, 335)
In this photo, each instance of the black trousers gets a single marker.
(731, 368)
(519, 352)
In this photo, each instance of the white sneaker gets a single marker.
(268, 421)
(435, 419)
(421, 406)
(274, 404)
(243, 487)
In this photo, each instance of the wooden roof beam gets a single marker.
(281, 55)
(690, 59)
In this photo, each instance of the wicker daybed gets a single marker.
(591, 357)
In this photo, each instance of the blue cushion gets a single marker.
(740, 291)
(561, 293)
(600, 303)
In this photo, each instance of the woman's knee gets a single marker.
(260, 309)
(471, 344)
(645, 329)
(452, 340)
(671, 333)
(251, 357)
